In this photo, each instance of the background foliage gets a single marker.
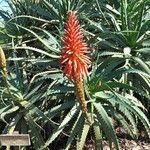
(37, 98)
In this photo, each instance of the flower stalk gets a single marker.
(73, 60)
(3, 66)
(80, 94)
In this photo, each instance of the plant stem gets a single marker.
(80, 94)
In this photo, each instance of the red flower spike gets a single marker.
(73, 55)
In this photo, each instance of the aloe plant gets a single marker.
(117, 35)
(39, 100)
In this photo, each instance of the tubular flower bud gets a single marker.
(3, 62)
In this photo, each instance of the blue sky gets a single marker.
(4, 5)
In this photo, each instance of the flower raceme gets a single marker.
(73, 56)
(74, 60)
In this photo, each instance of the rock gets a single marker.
(106, 147)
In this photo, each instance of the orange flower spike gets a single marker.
(74, 60)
